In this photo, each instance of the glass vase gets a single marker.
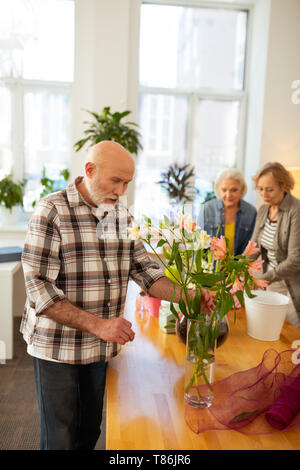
(181, 330)
(199, 367)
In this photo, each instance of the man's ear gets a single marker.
(90, 169)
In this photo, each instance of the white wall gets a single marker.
(255, 78)
(274, 120)
(281, 121)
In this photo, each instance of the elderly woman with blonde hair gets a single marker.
(229, 214)
(277, 234)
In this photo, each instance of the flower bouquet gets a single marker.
(194, 261)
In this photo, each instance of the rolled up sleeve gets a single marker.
(40, 258)
(144, 270)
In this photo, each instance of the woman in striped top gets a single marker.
(277, 234)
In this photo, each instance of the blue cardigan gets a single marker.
(212, 215)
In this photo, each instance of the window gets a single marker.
(192, 96)
(36, 75)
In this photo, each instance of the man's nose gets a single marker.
(120, 189)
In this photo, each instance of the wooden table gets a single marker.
(145, 406)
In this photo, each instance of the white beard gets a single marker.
(96, 195)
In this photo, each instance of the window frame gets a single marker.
(18, 87)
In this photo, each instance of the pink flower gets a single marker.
(237, 285)
(218, 247)
(185, 222)
(191, 226)
(251, 249)
(260, 283)
(255, 266)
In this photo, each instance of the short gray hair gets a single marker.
(230, 174)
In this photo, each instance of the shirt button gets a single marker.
(108, 304)
(109, 281)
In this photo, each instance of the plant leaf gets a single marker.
(243, 416)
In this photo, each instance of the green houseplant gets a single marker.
(108, 126)
(11, 193)
(49, 185)
(176, 180)
(11, 196)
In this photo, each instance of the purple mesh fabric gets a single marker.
(261, 400)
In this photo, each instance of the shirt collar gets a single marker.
(286, 203)
(73, 195)
(220, 204)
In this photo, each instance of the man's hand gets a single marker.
(163, 289)
(116, 330)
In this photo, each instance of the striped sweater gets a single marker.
(267, 241)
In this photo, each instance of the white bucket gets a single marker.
(265, 314)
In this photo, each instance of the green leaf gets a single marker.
(207, 279)
(182, 307)
(173, 310)
(198, 260)
(166, 253)
(166, 221)
(174, 252)
(147, 220)
(178, 262)
(240, 296)
(227, 303)
(161, 243)
(196, 304)
(243, 416)
(248, 291)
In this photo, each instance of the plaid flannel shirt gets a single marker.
(65, 256)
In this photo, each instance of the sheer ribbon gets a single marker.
(261, 400)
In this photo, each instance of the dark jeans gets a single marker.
(70, 401)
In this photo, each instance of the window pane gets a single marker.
(46, 138)
(37, 39)
(5, 134)
(200, 47)
(163, 121)
(215, 140)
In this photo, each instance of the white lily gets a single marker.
(203, 240)
(136, 233)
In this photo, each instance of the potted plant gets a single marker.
(49, 185)
(210, 194)
(177, 181)
(201, 262)
(11, 199)
(108, 126)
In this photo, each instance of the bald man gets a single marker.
(76, 284)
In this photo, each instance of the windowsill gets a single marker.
(22, 227)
